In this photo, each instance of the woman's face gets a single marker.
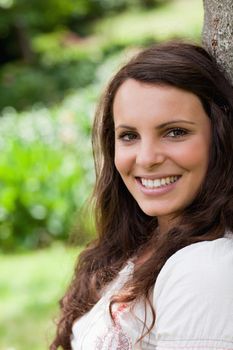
(162, 141)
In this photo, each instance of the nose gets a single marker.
(150, 154)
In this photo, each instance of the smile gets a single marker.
(158, 183)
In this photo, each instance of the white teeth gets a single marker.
(163, 181)
(168, 180)
(148, 183)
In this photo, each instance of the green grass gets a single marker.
(30, 286)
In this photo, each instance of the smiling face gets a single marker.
(162, 141)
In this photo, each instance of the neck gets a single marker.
(165, 223)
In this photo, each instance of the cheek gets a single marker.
(119, 161)
(194, 155)
(123, 160)
(122, 167)
(200, 154)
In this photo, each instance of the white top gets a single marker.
(193, 301)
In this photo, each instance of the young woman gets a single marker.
(160, 274)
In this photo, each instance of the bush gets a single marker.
(46, 171)
(23, 86)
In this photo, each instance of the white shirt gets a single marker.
(192, 298)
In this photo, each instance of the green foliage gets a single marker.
(64, 60)
(24, 85)
(47, 15)
(46, 172)
(64, 46)
(30, 286)
(36, 14)
(46, 169)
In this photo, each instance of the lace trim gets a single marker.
(115, 338)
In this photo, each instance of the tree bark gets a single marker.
(217, 34)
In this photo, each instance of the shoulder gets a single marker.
(212, 260)
(195, 286)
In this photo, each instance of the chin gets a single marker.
(152, 212)
(161, 212)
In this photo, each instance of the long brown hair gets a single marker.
(122, 228)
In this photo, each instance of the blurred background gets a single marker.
(55, 59)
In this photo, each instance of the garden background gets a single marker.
(56, 56)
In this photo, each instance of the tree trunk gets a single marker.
(217, 35)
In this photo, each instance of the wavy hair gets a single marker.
(124, 231)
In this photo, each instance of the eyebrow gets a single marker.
(160, 126)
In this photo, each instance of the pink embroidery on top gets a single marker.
(114, 338)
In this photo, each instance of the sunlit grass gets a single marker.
(30, 286)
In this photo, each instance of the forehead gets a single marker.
(142, 101)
